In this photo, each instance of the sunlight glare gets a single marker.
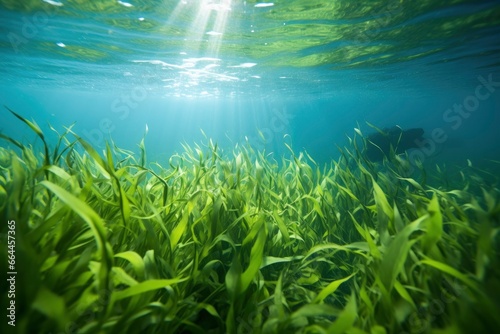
(207, 21)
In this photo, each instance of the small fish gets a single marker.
(378, 145)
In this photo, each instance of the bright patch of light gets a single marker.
(196, 60)
(188, 64)
(62, 45)
(244, 65)
(266, 4)
(210, 66)
(126, 4)
(207, 23)
(53, 3)
(153, 62)
(141, 19)
(217, 6)
(194, 69)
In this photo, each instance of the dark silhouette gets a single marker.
(378, 145)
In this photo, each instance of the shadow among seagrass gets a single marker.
(392, 141)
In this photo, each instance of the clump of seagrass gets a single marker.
(234, 242)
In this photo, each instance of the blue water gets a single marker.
(305, 73)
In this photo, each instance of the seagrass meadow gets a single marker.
(236, 241)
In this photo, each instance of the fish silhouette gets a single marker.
(378, 145)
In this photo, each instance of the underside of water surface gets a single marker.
(226, 166)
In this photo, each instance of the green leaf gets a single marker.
(433, 225)
(365, 298)
(37, 130)
(51, 305)
(270, 260)
(136, 261)
(255, 258)
(209, 308)
(313, 310)
(179, 229)
(323, 247)
(330, 288)
(124, 205)
(58, 171)
(365, 233)
(233, 279)
(13, 141)
(95, 223)
(147, 286)
(33, 126)
(452, 272)
(385, 215)
(346, 318)
(122, 277)
(281, 225)
(101, 164)
(395, 255)
(278, 298)
(404, 294)
(348, 192)
(413, 183)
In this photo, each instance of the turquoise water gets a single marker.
(300, 72)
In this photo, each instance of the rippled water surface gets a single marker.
(236, 48)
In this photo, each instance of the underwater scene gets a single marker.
(230, 166)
